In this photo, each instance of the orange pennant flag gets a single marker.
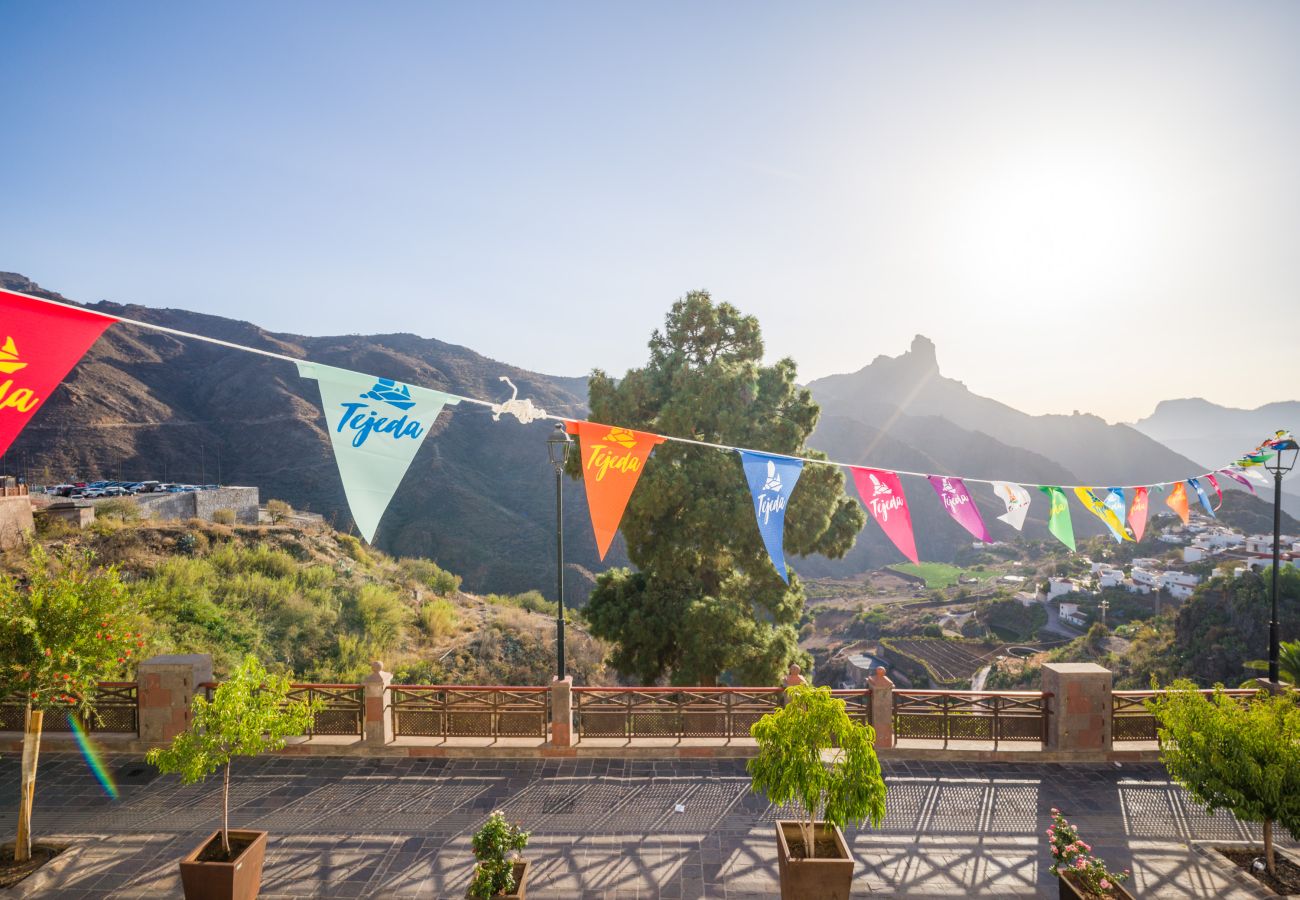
(1177, 501)
(612, 461)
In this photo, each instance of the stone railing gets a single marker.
(15, 490)
(1075, 716)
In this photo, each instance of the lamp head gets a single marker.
(1285, 450)
(557, 445)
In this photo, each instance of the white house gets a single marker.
(1195, 553)
(1260, 543)
(1026, 598)
(1146, 562)
(1183, 580)
(1134, 588)
(1111, 578)
(1146, 576)
(1070, 613)
(1182, 592)
(1223, 538)
(1170, 538)
(1056, 587)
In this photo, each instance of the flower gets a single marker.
(1105, 885)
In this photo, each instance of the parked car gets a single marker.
(115, 491)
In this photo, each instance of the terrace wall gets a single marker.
(201, 504)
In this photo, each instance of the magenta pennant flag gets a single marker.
(1238, 478)
(960, 505)
(882, 494)
(1214, 481)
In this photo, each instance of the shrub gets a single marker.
(789, 765)
(224, 516)
(1071, 856)
(431, 575)
(439, 618)
(249, 714)
(278, 510)
(494, 873)
(1241, 757)
(118, 508)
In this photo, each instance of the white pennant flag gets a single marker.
(1017, 500)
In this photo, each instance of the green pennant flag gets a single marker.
(1059, 521)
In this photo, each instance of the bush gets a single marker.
(118, 508)
(1071, 856)
(278, 511)
(439, 618)
(789, 764)
(494, 873)
(224, 516)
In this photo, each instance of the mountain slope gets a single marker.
(479, 495)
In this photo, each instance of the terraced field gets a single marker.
(948, 661)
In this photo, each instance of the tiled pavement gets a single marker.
(348, 827)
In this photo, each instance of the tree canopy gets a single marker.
(704, 599)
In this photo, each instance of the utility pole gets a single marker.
(1103, 606)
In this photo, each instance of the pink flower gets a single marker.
(1105, 885)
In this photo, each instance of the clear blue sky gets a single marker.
(539, 181)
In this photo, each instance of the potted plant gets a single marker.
(248, 715)
(831, 789)
(1243, 757)
(498, 874)
(1079, 874)
(64, 629)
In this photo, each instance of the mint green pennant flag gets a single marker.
(376, 425)
(1058, 522)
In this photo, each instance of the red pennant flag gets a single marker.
(612, 460)
(39, 345)
(882, 494)
(1218, 490)
(1137, 512)
(1177, 501)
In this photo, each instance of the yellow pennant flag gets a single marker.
(1099, 509)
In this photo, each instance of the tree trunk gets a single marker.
(225, 812)
(31, 751)
(1268, 847)
(809, 828)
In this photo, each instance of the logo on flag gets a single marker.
(882, 493)
(960, 505)
(388, 391)
(1017, 500)
(9, 361)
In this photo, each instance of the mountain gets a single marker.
(901, 412)
(1214, 435)
(479, 496)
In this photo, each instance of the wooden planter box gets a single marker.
(521, 882)
(1070, 891)
(239, 879)
(813, 879)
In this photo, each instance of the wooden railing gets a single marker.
(1132, 721)
(116, 712)
(1019, 716)
(671, 712)
(447, 711)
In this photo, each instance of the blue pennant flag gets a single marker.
(771, 481)
(1205, 501)
(1115, 502)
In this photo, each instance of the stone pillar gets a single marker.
(378, 729)
(882, 707)
(1082, 714)
(166, 686)
(562, 711)
(1263, 684)
(793, 677)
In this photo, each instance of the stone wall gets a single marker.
(15, 520)
(201, 504)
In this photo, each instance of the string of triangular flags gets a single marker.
(377, 424)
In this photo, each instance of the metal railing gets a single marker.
(1019, 716)
(1132, 721)
(116, 712)
(343, 706)
(444, 711)
(625, 712)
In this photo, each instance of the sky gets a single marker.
(1087, 206)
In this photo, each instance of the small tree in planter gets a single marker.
(1241, 757)
(847, 788)
(66, 628)
(248, 715)
(498, 873)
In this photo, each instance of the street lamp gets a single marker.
(557, 447)
(1285, 450)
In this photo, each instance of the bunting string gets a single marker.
(541, 414)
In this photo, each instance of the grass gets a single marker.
(936, 574)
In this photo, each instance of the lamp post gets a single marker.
(557, 447)
(1285, 450)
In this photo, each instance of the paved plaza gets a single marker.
(608, 828)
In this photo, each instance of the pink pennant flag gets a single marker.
(1218, 490)
(1238, 478)
(960, 505)
(1137, 512)
(882, 495)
